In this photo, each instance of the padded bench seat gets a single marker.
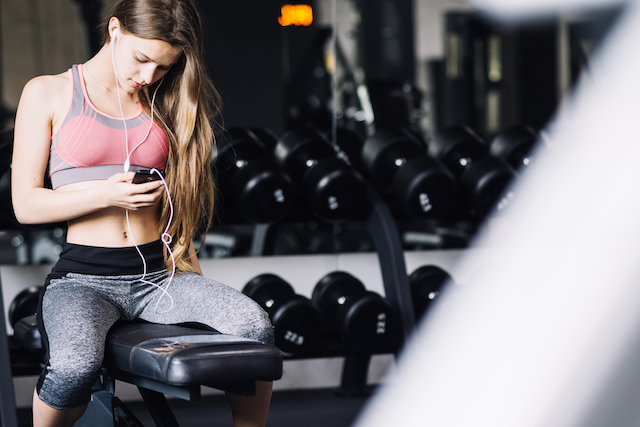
(152, 355)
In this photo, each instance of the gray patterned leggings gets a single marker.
(78, 309)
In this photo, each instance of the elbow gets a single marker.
(22, 217)
(22, 214)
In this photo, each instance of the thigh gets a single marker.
(198, 299)
(75, 318)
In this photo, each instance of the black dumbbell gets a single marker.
(515, 145)
(482, 178)
(361, 319)
(399, 167)
(296, 320)
(267, 137)
(249, 178)
(426, 283)
(331, 188)
(24, 304)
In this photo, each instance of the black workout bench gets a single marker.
(167, 359)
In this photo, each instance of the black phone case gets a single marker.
(143, 176)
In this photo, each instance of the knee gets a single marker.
(80, 368)
(257, 325)
(68, 384)
(76, 370)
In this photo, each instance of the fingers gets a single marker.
(149, 187)
(122, 177)
(145, 195)
(121, 192)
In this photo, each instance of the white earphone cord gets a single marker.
(165, 237)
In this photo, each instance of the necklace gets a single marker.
(103, 86)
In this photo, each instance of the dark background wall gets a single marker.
(244, 56)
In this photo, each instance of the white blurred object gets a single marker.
(527, 9)
(547, 334)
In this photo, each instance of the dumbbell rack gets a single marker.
(386, 238)
(383, 230)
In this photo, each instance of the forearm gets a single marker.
(43, 206)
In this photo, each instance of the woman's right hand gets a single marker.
(119, 191)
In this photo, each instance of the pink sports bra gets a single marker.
(90, 145)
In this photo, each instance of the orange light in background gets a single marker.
(296, 14)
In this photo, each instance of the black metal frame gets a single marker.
(386, 238)
(105, 409)
(8, 414)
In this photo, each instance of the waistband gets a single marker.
(103, 261)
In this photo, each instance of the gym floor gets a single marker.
(295, 408)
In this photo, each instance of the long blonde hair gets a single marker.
(185, 106)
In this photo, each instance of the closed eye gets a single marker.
(144, 61)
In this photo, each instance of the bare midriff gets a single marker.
(108, 227)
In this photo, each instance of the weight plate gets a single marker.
(514, 145)
(266, 289)
(424, 188)
(267, 137)
(333, 291)
(297, 323)
(334, 191)
(301, 148)
(484, 183)
(386, 152)
(262, 193)
(368, 322)
(426, 283)
(235, 148)
(457, 147)
(24, 304)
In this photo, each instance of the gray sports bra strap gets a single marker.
(77, 97)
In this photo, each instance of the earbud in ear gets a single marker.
(113, 35)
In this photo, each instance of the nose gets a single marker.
(147, 74)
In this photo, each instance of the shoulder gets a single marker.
(47, 88)
(45, 95)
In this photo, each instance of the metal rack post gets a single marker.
(8, 414)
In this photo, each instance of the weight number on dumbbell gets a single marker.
(397, 164)
(359, 318)
(382, 324)
(295, 319)
(425, 202)
(294, 338)
(483, 178)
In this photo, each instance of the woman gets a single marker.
(143, 101)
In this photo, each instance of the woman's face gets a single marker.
(140, 62)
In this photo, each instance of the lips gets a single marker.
(136, 84)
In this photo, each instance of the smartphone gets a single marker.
(145, 175)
